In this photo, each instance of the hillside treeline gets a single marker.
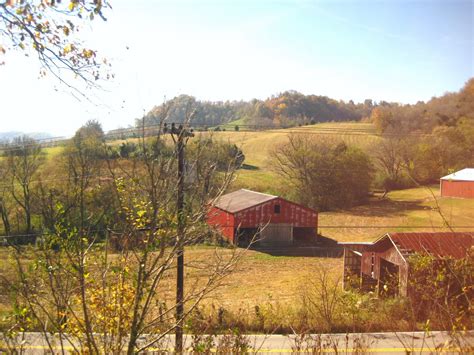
(287, 109)
(425, 141)
(292, 108)
(448, 110)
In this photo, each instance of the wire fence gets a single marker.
(156, 129)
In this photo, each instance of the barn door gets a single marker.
(276, 235)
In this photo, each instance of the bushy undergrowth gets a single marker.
(352, 313)
(440, 299)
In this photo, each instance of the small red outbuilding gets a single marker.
(242, 214)
(458, 184)
(375, 264)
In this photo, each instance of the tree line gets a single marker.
(425, 141)
(448, 110)
(291, 108)
(287, 109)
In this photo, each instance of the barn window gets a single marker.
(276, 209)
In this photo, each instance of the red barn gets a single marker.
(375, 264)
(243, 214)
(458, 184)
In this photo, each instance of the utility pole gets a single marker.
(182, 136)
(180, 236)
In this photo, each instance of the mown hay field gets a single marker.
(419, 209)
(258, 279)
(257, 146)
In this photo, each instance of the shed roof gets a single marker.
(461, 175)
(242, 199)
(438, 244)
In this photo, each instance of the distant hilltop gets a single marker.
(10, 136)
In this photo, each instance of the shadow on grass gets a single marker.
(323, 247)
(387, 207)
(249, 167)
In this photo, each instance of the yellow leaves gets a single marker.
(282, 106)
(111, 307)
(72, 5)
(88, 53)
(68, 48)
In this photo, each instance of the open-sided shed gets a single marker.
(386, 259)
(242, 214)
(458, 184)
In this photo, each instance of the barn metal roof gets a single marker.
(461, 175)
(438, 244)
(242, 199)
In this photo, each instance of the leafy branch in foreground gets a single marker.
(109, 291)
(49, 29)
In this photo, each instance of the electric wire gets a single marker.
(118, 231)
(155, 129)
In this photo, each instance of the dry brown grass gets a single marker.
(257, 278)
(260, 278)
(407, 210)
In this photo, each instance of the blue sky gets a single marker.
(401, 51)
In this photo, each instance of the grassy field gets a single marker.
(257, 147)
(405, 210)
(258, 278)
(52, 152)
(254, 281)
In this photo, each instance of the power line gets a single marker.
(396, 227)
(117, 231)
(105, 176)
(56, 141)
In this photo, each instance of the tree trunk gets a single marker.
(5, 220)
